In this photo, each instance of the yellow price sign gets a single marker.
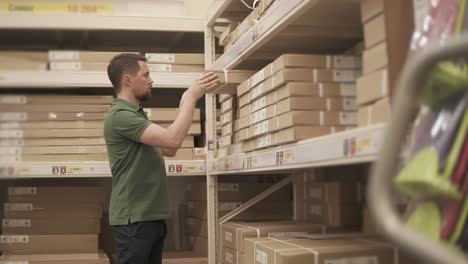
(74, 169)
(363, 145)
(47, 7)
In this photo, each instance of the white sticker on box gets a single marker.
(228, 187)
(65, 66)
(258, 77)
(22, 190)
(17, 116)
(18, 207)
(229, 257)
(315, 210)
(161, 57)
(258, 90)
(347, 90)
(5, 239)
(228, 206)
(344, 76)
(228, 236)
(261, 127)
(261, 256)
(354, 260)
(16, 223)
(12, 133)
(349, 104)
(315, 193)
(56, 55)
(160, 67)
(147, 111)
(10, 99)
(348, 118)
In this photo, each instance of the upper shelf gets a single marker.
(296, 26)
(348, 147)
(228, 9)
(56, 79)
(24, 170)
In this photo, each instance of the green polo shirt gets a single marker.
(139, 188)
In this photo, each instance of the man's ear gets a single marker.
(126, 80)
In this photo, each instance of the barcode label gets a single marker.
(22, 191)
(10, 207)
(261, 127)
(12, 99)
(16, 223)
(261, 257)
(354, 260)
(161, 57)
(228, 236)
(346, 62)
(14, 239)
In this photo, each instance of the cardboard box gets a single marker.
(331, 214)
(234, 233)
(39, 56)
(62, 150)
(84, 56)
(52, 209)
(229, 80)
(243, 88)
(376, 113)
(16, 65)
(315, 89)
(176, 58)
(80, 258)
(375, 58)
(245, 25)
(237, 192)
(316, 104)
(49, 244)
(340, 76)
(51, 226)
(53, 142)
(62, 108)
(372, 87)
(262, 102)
(265, 210)
(224, 97)
(225, 37)
(160, 67)
(78, 66)
(62, 194)
(51, 133)
(307, 251)
(374, 31)
(229, 104)
(182, 154)
(167, 114)
(333, 192)
(227, 117)
(55, 99)
(56, 158)
(44, 116)
(261, 75)
(225, 141)
(53, 125)
(371, 8)
(316, 61)
(243, 100)
(227, 130)
(262, 114)
(195, 128)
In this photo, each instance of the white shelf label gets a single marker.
(160, 67)
(10, 207)
(5, 239)
(261, 257)
(22, 191)
(261, 127)
(228, 187)
(13, 116)
(15, 151)
(170, 58)
(346, 62)
(16, 223)
(65, 66)
(12, 142)
(228, 236)
(354, 260)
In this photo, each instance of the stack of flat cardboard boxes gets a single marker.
(373, 86)
(177, 62)
(76, 61)
(52, 225)
(228, 143)
(23, 61)
(277, 206)
(297, 97)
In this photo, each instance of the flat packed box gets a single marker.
(225, 141)
(309, 251)
(176, 58)
(43, 193)
(51, 226)
(51, 133)
(62, 150)
(225, 37)
(15, 65)
(227, 117)
(375, 58)
(227, 130)
(52, 209)
(160, 67)
(340, 76)
(374, 31)
(372, 87)
(224, 97)
(371, 8)
(376, 113)
(49, 244)
(266, 210)
(316, 104)
(245, 25)
(331, 214)
(316, 61)
(231, 256)
(84, 56)
(229, 104)
(55, 99)
(229, 80)
(53, 125)
(56, 158)
(21, 116)
(260, 76)
(77, 258)
(52, 142)
(167, 114)
(62, 108)
(39, 56)
(235, 192)
(78, 66)
(333, 192)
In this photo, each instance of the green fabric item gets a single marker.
(427, 220)
(139, 183)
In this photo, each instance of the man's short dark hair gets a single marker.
(122, 64)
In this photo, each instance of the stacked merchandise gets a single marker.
(76, 61)
(178, 62)
(277, 206)
(23, 61)
(228, 143)
(297, 97)
(373, 86)
(52, 225)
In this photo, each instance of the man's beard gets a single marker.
(143, 97)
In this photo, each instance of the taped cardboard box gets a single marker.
(308, 251)
(83, 56)
(61, 108)
(176, 58)
(78, 66)
(49, 244)
(331, 214)
(340, 76)
(53, 209)
(374, 31)
(159, 67)
(371, 8)
(333, 192)
(266, 210)
(315, 89)
(51, 226)
(375, 58)
(58, 194)
(167, 114)
(316, 61)
(237, 192)
(22, 116)
(56, 158)
(372, 87)
(316, 104)
(231, 256)
(229, 80)
(82, 258)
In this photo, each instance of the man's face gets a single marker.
(142, 83)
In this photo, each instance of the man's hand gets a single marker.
(202, 85)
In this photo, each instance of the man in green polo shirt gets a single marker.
(136, 146)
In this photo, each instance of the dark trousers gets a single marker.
(140, 242)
